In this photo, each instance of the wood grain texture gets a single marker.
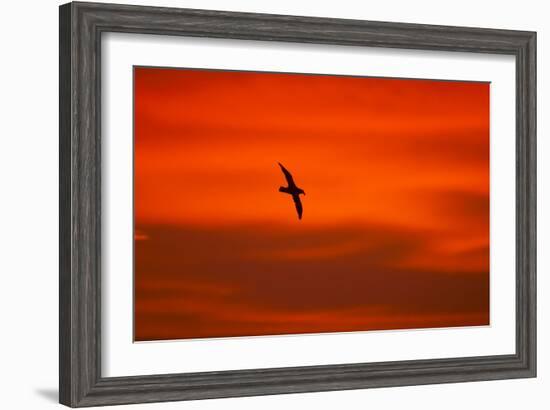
(80, 381)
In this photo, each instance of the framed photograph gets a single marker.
(259, 204)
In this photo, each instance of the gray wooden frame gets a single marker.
(80, 380)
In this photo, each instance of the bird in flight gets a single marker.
(293, 190)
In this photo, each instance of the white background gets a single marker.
(29, 167)
(122, 358)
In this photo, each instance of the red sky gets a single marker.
(395, 231)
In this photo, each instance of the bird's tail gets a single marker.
(284, 189)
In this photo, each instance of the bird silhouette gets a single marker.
(293, 190)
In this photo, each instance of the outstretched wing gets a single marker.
(298, 203)
(288, 177)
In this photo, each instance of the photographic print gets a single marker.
(281, 203)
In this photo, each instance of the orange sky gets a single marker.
(395, 231)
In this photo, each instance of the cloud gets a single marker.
(140, 236)
(203, 282)
(395, 231)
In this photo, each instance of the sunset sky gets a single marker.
(395, 230)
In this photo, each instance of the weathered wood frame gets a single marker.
(81, 26)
